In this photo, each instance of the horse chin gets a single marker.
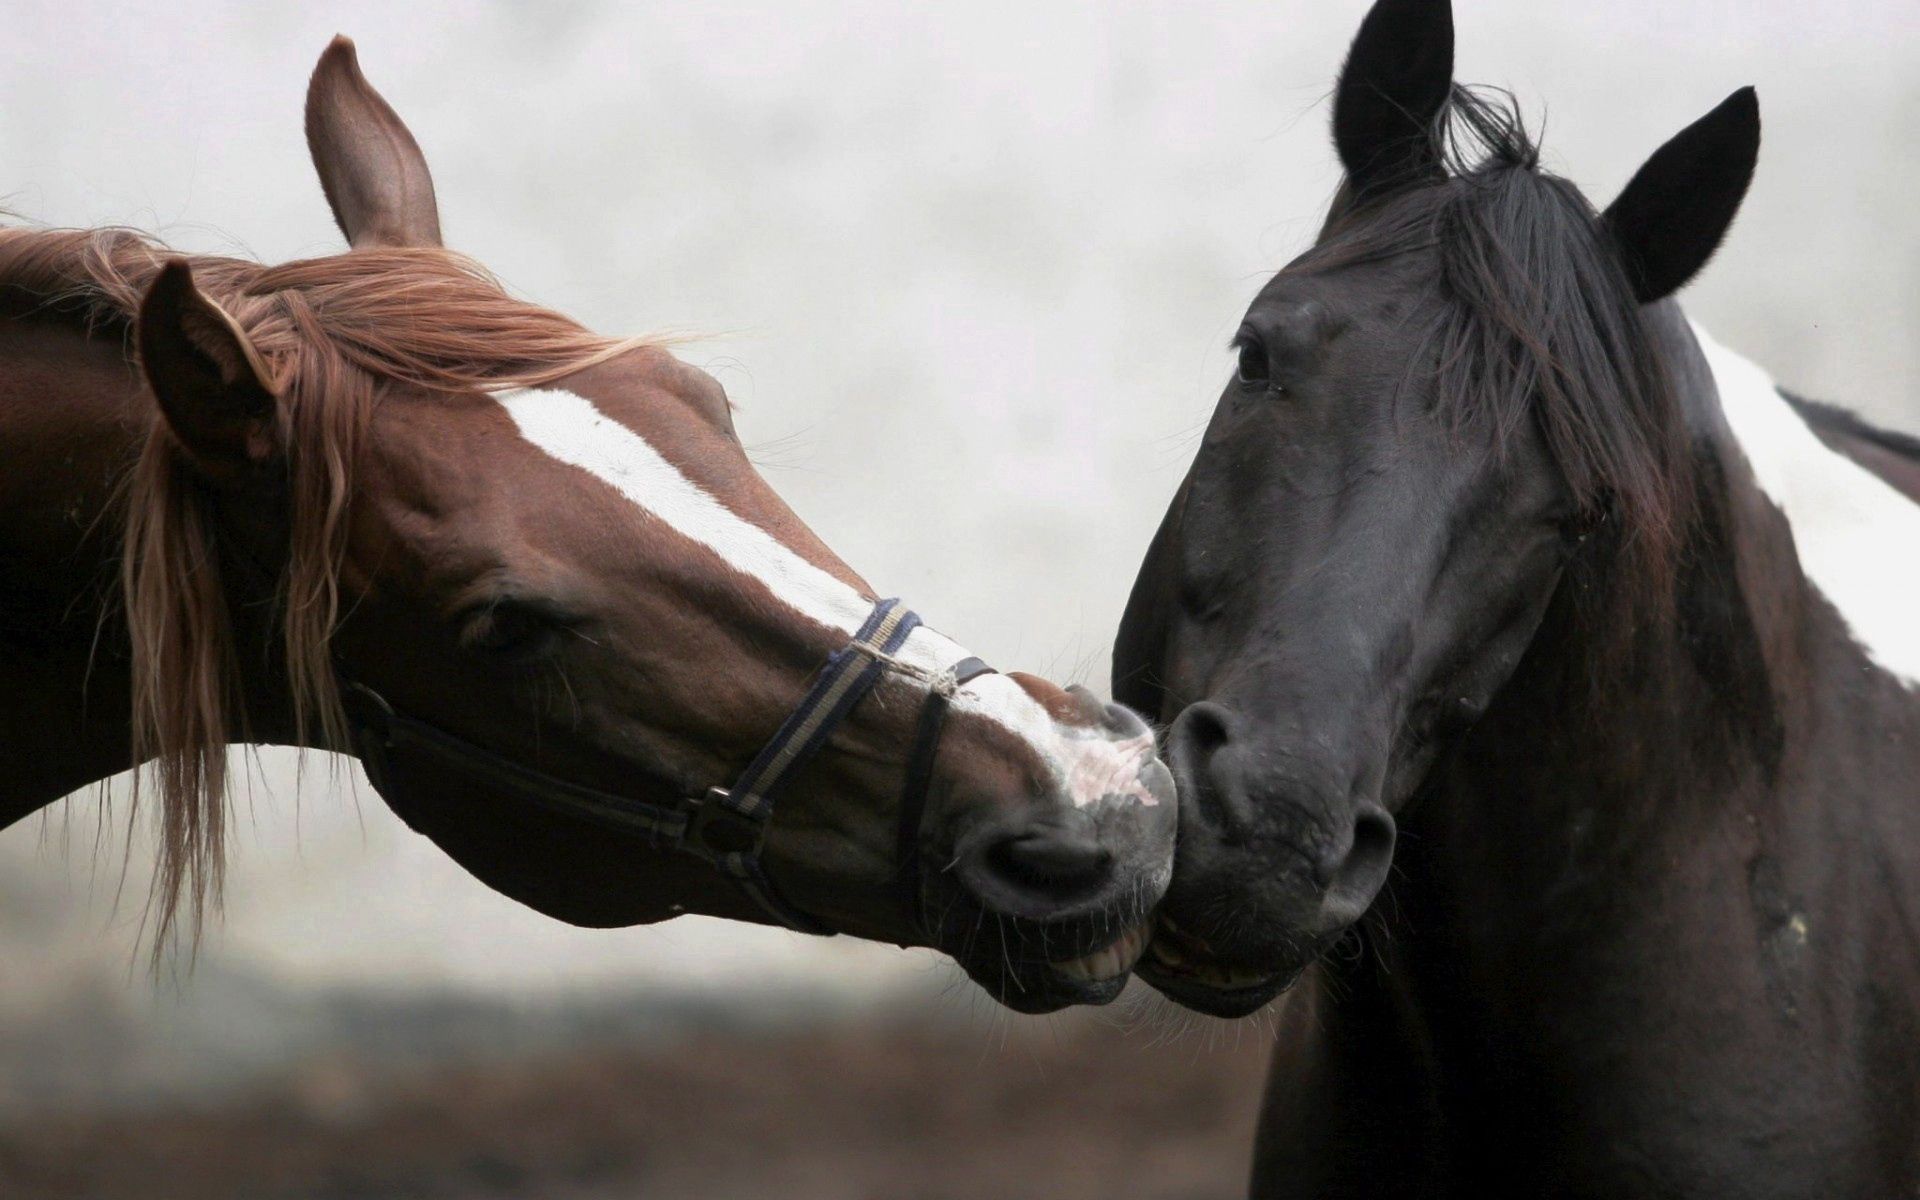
(1044, 994)
(1217, 1000)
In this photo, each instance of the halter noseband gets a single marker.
(723, 826)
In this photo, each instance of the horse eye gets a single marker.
(510, 632)
(1253, 369)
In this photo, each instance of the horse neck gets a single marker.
(1614, 770)
(73, 415)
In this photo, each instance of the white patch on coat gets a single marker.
(568, 427)
(1857, 537)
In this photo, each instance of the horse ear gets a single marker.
(215, 394)
(1397, 78)
(370, 167)
(1670, 218)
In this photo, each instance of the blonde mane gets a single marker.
(335, 334)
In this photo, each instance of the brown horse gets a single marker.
(372, 503)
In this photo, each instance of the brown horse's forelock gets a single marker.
(336, 334)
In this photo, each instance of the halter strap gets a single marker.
(729, 825)
(913, 792)
(724, 826)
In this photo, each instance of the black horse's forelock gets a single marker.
(1536, 321)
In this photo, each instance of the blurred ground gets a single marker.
(1063, 1109)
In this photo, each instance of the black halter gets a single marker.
(723, 826)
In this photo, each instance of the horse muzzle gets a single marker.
(1050, 902)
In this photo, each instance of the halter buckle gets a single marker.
(715, 828)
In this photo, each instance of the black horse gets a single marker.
(1506, 610)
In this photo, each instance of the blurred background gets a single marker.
(978, 262)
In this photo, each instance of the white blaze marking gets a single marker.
(569, 428)
(1858, 538)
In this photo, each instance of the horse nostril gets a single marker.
(1124, 722)
(1037, 867)
(1052, 858)
(1200, 731)
(1203, 773)
(1360, 873)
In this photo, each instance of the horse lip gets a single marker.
(1190, 972)
(1041, 989)
(1211, 1000)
